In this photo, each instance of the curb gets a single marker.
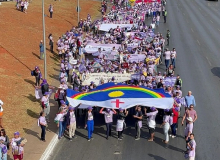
(49, 148)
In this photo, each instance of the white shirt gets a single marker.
(173, 54)
(167, 55)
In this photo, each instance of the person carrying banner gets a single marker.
(108, 114)
(89, 122)
(166, 125)
(121, 122)
(138, 121)
(151, 121)
(71, 122)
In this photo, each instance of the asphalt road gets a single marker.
(195, 29)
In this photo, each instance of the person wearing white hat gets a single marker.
(189, 128)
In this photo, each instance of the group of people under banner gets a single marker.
(73, 45)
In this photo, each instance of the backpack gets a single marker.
(32, 73)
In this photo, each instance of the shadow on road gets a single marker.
(156, 157)
(216, 71)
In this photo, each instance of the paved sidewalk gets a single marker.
(35, 148)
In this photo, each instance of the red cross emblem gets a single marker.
(117, 102)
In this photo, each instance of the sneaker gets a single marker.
(119, 139)
(107, 138)
(173, 136)
(92, 138)
(88, 140)
(74, 137)
(70, 139)
(137, 139)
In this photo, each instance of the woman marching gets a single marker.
(108, 120)
(121, 122)
(167, 120)
(89, 123)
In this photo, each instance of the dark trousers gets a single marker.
(167, 61)
(51, 48)
(22, 8)
(173, 129)
(51, 14)
(109, 129)
(168, 41)
(165, 19)
(37, 81)
(120, 134)
(43, 132)
(158, 13)
(67, 72)
(161, 58)
(173, 62)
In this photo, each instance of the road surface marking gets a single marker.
(192, 30)
(208, 61)
(50, 148)
(117, 152)
(198, 41)
(211, 21)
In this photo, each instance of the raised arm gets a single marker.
(101, 110)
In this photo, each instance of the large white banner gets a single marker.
(135, 57)
(93, 47)
(163, 103)
(107, 27)
(96, 77)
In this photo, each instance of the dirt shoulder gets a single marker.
(19, 54)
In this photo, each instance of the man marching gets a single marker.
(138, 121)
(108, 114)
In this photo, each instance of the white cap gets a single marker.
(189, 119)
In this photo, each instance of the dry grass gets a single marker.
(20, 36)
